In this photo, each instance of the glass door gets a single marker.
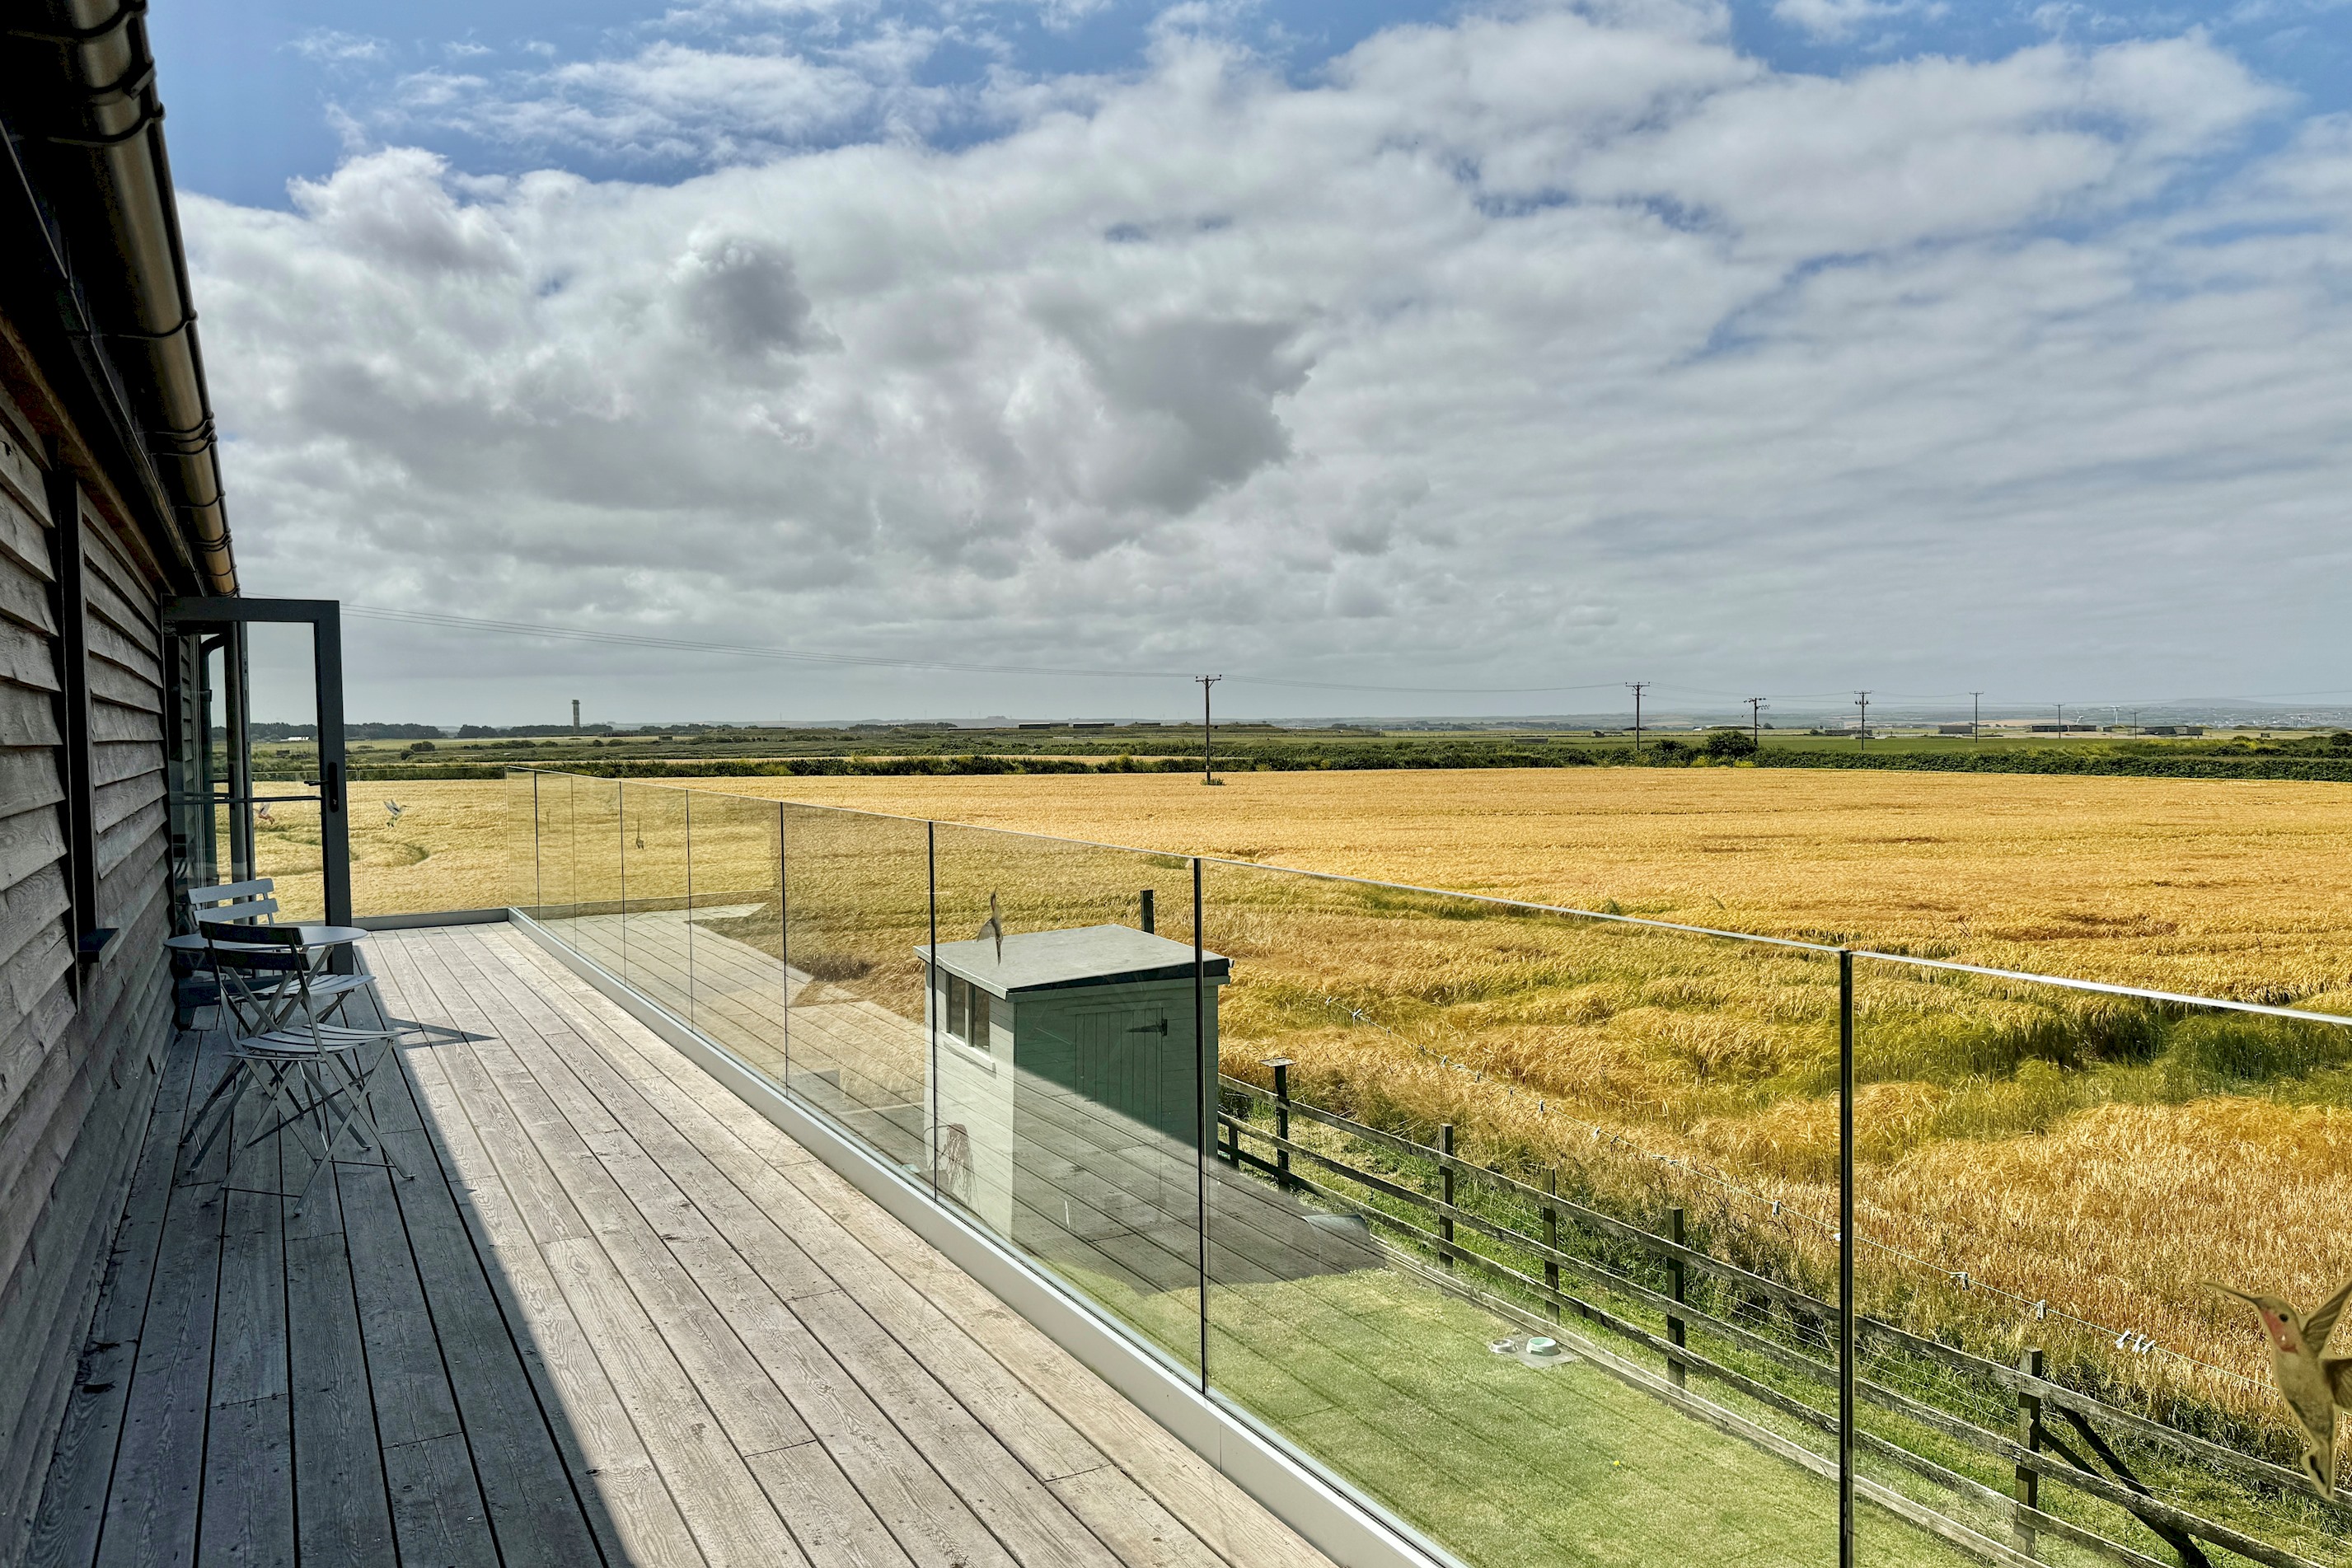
(256, 753)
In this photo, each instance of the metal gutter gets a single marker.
(81, 94)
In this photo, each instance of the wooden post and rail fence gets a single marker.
(2035, 1453)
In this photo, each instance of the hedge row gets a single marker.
(2330, 769)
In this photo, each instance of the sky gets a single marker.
(826, 359)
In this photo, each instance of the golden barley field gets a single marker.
(2236, 889)
(2096, 1154)
(2239, 888)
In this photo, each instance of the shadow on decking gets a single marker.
(348, 1381)
(617, 1317)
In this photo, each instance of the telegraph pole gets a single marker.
(1862, 700)
(1207, 775)
(1637, 688)
(2062, 721)
(1756, 707)
(1976, 711)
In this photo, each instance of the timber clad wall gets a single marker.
(79, 1055)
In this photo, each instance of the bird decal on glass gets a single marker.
(954, 1172)
(2315, 1383)
(992, 926)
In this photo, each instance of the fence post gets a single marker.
(1204, 1079)
(783, 943)
(2029, 1480)
(1446, 1188)
(1674, 1329)
(1551, 1238)
(1845, 1259)
(933, 996)
(1281, 1065)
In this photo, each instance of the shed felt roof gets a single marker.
(1082, 956)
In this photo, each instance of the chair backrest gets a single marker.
(264, 972)
(236, 934)
(242, 902)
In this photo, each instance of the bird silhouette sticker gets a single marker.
(2315, 1381)
(992, 926)
(954, 1171)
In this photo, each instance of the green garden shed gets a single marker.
(1067, 1042)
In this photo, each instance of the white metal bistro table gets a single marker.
(312, 937)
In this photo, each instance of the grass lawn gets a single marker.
(1390, 1383)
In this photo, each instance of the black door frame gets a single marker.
(227, 620)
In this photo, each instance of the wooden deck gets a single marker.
(617, 1318)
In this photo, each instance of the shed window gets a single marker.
(964, 1011)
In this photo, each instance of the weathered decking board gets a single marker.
(617, 1317)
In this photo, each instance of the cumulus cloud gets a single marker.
(1508, 351)
(744, 299)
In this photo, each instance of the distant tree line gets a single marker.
(2324, 759)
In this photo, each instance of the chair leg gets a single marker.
(297, 1108)
(295, 1114)
(238, 1073)
(228, 1075)
(364, 1113)
(320, 1107)
(327, 1152)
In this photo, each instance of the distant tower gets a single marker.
(575, 716)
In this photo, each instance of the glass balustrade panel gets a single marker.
(657, 858)
(856, 908)
(734, 920)
(1524, 1223)
(598, 876)
(2084, 1219)
(1068, 1099)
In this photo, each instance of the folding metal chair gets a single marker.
(256, 903)
(313, 1073)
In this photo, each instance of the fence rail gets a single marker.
(2043, 1455)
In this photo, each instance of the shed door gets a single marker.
(1137, 1060)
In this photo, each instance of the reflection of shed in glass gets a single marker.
(1071, 1036)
